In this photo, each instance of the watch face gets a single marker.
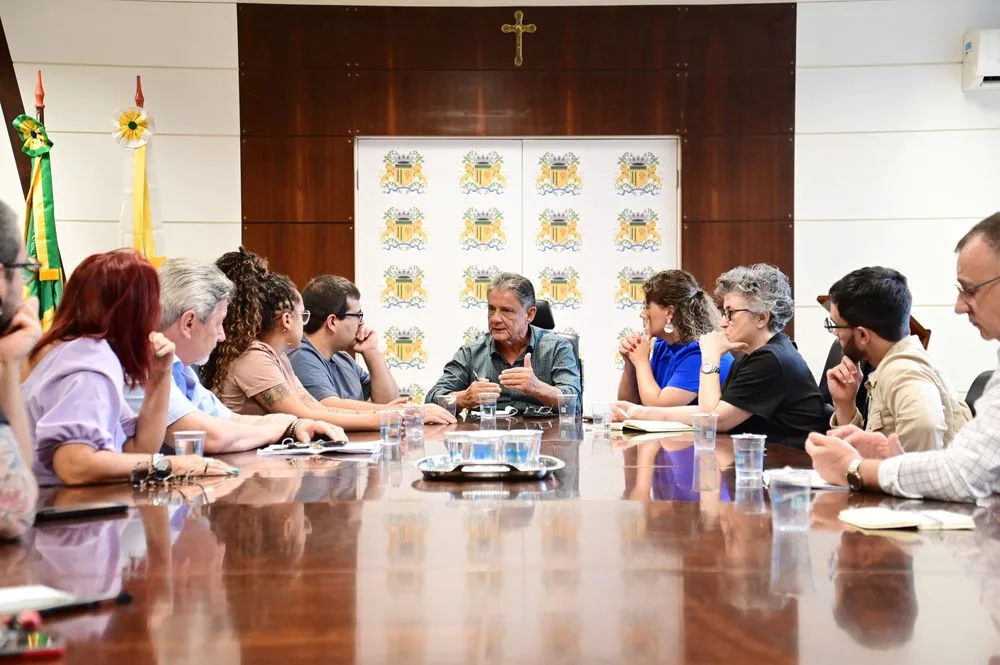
(708, 368)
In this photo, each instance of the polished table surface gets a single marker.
(638, 551)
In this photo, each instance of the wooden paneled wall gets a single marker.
(313, 78)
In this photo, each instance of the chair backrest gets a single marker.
(575, 341)
(976, 389)
(543, 315)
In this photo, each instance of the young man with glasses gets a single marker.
(325, 362)
(969, 468)
(908, 392)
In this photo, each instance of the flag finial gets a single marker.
(39, 95)
(139, 99)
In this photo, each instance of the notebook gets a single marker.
(816, 481)
(321, 448)
(651, 426)
(884, 518)
(32, 597)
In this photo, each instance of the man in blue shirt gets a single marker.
(524, 365)
(194, 299)
(325, 364)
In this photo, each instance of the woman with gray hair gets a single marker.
(770, 389)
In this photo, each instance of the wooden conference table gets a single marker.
(634, 553)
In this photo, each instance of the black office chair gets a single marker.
(543, 319)
(833, 359)
(976, 389)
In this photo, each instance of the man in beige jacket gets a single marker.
(908, 393)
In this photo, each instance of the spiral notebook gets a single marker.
(885, 518)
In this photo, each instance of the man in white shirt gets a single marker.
(194, 299)
(968, 469)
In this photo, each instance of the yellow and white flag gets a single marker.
(141, 226)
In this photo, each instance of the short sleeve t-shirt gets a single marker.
(257, 370)
(775, 385)
(340, 376)
(679, 365)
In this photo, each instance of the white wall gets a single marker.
(186, 54)
(893, 162)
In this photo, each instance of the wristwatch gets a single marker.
(709, 368)
(160, 467)
(854, 475)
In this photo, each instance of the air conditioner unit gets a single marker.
(981, 60)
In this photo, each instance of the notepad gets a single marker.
(32, 597)
(884, 518)
(651, 426)
(281, 449)
(816, 481)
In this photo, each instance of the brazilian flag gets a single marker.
(40, 238)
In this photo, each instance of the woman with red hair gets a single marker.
(102, 338)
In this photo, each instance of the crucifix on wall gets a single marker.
(518, 28)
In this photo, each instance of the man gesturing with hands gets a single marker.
(523, 365)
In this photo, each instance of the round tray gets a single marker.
(440, 467)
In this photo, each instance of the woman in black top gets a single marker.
(770, 389)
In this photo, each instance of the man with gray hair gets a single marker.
(523, 365)
(194, 300)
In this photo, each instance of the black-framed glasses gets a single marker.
(359, 315)
(29, 268)
(830, 326)
(729, 313)
(969, 292)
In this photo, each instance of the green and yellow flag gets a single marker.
(40, 239)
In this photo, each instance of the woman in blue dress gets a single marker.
(662, 366)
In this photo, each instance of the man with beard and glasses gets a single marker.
(908, 393)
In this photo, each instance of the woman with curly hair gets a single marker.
(249, 370)
(676, 314)
(101, 339)
(770, 389)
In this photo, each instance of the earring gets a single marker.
(669, 328)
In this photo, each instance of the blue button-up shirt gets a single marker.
(552, 360)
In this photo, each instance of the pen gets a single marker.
(123, 598)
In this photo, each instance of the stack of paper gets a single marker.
(281, 449)
(34, 597)
(885, 518)
(816, 481)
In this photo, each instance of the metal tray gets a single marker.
(440, 467)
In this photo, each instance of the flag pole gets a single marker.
(39, 98)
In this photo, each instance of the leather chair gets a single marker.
(976, 389)
(543, 319)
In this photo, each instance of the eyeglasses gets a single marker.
(969, 292)
(359, 315)
(29, 268)
(728, 313)
(305, 316)
(831, 326)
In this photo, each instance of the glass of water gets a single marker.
(601, 414)
(455, 443)
(521, 447)
(704, 425)
(449, 403)
(789, 492)
(483, 446)
(488, 410)
(413, 423)
(568, 408)
(189, 443)
(749, 452)
(390, 427)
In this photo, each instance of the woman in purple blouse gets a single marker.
(103, 336)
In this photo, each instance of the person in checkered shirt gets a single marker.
(969, 468)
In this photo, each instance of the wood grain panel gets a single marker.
(531, 103)
(303, 251)
(316, 102)
(740, 101)
(464, 38)
(740, 36)
(711, 248)
(297, 179)
(737, 178)
(286, 38)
